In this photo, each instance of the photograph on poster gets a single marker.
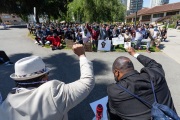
(103, 101)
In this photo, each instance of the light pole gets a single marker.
(136, 11)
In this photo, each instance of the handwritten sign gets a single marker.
(118, 40)
(127, 44)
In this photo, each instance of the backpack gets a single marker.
(158, 111)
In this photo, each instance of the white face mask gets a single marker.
(127, 33)
(139, 29)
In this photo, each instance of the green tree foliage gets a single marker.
(97, 10)
(54, 8)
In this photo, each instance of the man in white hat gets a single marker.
(36, 98)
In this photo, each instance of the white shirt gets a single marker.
(85, 37)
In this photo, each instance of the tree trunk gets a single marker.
(37, 17)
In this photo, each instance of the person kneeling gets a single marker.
(55, 41)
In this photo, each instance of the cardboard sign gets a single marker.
(69, 43)
(103, 102)
(127, 44)
(88, 47)
(104, 45)
(118, 40)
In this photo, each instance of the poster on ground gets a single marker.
(103, 101)
(118, 40)
(127, 44)
(104, 45)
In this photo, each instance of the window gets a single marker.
(6, 16)
(172, 13)
(15, 20)
(146, 17)
(13, 16)
(158, 15)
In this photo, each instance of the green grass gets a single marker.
(119, 48)
(31, 36)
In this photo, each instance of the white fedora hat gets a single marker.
(28, 68)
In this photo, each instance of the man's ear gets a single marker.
(116, 72)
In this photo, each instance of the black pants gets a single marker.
(95, 43)
(3, 57)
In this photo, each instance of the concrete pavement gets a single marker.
(65, 67)
(172, 46)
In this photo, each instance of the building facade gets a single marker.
(131, 6)
(11, 19)
(155, 14)
(154, 3)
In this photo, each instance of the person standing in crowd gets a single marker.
(103, 32)
(86, 36)
(127, 36)
(121, 105)
(94, 34)
(37, 98)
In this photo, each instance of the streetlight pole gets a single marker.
(136, 11)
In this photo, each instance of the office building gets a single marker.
(154, 3)
(131, 5)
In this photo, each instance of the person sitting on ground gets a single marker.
(55, 41)
(127, 36)
(37, 98)
(4, 59)
(121, 105)
(139, 39)
(163, 34)
(157, 40)
(38, 35)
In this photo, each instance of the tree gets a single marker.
(97, 10)
(54, 8)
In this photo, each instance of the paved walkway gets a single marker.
(65, 67)
(172, 47)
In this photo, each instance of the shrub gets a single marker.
(171, 26)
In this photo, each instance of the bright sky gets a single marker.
(147, 2)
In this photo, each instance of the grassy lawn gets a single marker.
(119, 48)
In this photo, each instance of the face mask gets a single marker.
(139, 29)
(116, 79)
(127, 33)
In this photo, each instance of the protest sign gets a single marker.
(104, 45)
(103, 102)
(118, 40)
(127, 44)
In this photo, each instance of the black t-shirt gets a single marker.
(163, 33)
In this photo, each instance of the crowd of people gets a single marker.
(55, 34)
(134, 95)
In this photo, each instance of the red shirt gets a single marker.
(56, 41)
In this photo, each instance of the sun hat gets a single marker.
(28, 68)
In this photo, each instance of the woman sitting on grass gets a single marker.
(55, 41)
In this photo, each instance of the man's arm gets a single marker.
(146, 61)
(69, 95)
